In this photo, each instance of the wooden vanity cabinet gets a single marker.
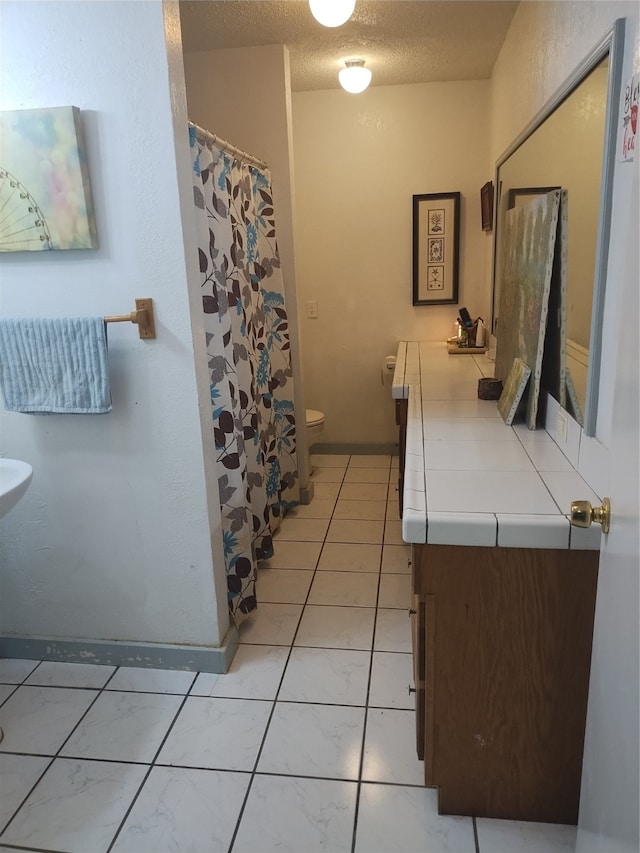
(502, 642)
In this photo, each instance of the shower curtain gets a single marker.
(248, 347)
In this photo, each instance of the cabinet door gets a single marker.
(429, 652)
(417, 614)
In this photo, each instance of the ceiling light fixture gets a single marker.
(332, 13)
(355, 77)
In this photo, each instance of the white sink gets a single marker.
(15, 477)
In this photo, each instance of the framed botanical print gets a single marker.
(436, 232)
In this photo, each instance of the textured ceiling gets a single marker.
(401, 41)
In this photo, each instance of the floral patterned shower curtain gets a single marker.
(248, 346)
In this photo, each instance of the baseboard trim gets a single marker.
(114, 653)
(306, 495)
(382, 449)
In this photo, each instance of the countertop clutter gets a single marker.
(468, 478)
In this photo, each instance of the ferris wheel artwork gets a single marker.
(45, 194)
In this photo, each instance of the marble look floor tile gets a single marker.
(301, 530)
(6, 690)
(313, 740)
(406, 820)
(18, 775)
(393, 631)
(336, 627)
(395, 591)
(283, 586)
(293, 555)
(291, 815)
(362, 510)
(77, 806)
(391, 677)
(366, 475)
(326, 491)
(123, 727)
(184, 809)
(255, 673)
(271, 625)
(390, 748)
(318, 508)
(396, 559)
(138, 679)
(351, 589)
(356, 532)
(337, 676)
(330, 460)
(511, 836)
(327, 475)
(364, 491)
(39, 719)
(393, 533)
(224, 734)
(393, 509)
(349, 557)
(15, 670)
(60, 674)
(370, 460)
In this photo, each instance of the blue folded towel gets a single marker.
(55, 365)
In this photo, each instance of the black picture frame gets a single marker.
(486, 206)
(436, 236)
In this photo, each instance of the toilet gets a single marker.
(315, 427)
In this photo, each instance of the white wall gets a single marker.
(546, 41)
(243, 95)
(359, 159)
(115, 539)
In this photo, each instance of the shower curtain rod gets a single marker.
(227, 146)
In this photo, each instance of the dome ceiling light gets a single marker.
(332, 13)
(355, 77)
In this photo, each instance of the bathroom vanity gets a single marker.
(503, 595)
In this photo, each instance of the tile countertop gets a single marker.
(469, 478)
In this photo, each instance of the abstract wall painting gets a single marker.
(45, 195)
(527, 264)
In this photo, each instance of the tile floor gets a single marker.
(307, 744)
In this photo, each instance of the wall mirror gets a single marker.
(571, 145)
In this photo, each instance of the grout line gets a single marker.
(57, 753)
(475, 834)
(151, 765)
(366, 710)
(284, 670)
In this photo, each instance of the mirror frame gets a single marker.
(611, 44)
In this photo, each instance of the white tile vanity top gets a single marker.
(469, 478)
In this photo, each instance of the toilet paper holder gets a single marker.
(387, 369)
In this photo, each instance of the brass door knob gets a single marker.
(583, 514)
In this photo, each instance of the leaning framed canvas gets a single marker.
(521, 195)
(513, 390)
(436, 232)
